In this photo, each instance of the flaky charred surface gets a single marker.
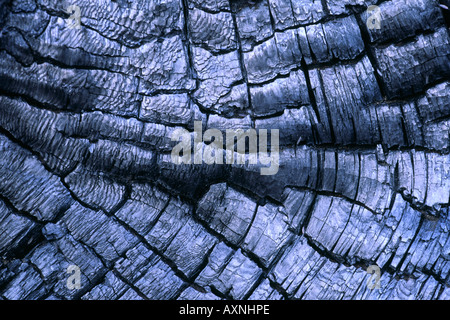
(86, 179)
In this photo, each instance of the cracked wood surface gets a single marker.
(86, 179)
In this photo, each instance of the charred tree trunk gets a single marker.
(361, 99)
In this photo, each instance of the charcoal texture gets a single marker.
(87, 116)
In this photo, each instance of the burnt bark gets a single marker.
(86, 177)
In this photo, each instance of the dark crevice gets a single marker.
(156, 179)
(369, 51)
